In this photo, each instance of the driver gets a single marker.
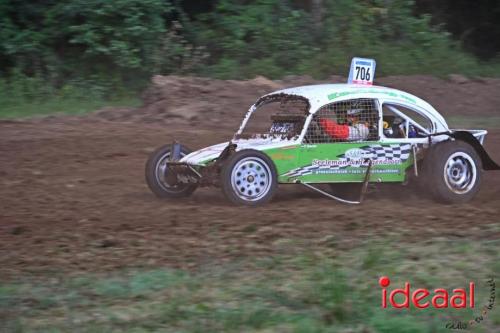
(396, 128)
(353, 130)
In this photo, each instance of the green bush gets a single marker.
(100, 49)
(266, 36)
(275, 38)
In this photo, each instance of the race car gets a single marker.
(344, 135)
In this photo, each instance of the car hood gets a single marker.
(207, 154)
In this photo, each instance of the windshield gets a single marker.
(278, 115)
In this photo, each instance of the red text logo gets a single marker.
(422, 298)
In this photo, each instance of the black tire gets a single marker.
(249, 178)
(156, 181)
(451, 172)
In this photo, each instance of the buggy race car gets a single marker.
(344, 135)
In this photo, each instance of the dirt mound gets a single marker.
(457, 95)
(198, 101)
(195, 100)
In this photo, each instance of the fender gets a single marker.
(488, 163)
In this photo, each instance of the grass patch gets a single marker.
(310, 292)
(61, 105)
(22, 96)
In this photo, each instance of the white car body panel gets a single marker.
(209, 153)
(323, 94)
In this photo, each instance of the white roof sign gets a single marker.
(362, 71)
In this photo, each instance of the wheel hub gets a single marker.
(165, 178)
(460, 173)
(251, 178)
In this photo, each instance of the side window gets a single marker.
(402, 122)
(347, 121)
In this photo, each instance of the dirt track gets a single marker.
(73, 197)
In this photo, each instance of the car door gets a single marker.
(326, 156)
(405, 128)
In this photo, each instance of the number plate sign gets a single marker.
(362, 71)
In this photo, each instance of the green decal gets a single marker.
(333, 96)
(285, 158)
(344, 162)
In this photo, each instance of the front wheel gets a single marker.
(249, 178)
(157, 171)
(452, 172)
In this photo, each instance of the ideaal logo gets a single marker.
(422, 298)
(439, 298)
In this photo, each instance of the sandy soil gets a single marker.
(73, 196)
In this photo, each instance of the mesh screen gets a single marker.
(347, 121)
(277, 115)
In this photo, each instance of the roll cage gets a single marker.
(392, 105)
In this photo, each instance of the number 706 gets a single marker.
(362, 73)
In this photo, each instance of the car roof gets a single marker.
(322, 94)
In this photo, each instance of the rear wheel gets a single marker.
(249, 178)
(157, 171)
(452, 172)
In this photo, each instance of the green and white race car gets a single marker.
(345, 135)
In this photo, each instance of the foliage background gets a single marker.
(104, 50)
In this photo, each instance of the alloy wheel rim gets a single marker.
(251, 179)
(460, 173)
(160, 174)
